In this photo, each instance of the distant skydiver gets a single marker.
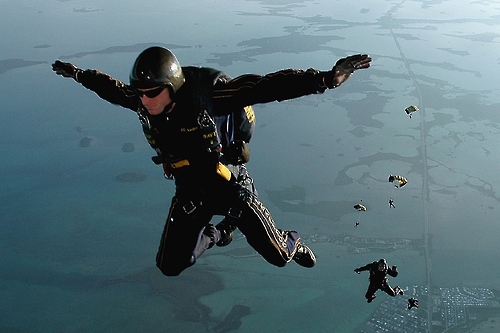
(398, 181)
(412, 302)
(360, 208)
(379, 280)
(391, 203)
(412, 108)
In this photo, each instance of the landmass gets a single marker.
(455, 309)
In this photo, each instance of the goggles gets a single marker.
(150, 93)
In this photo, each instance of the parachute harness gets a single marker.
(209, 132)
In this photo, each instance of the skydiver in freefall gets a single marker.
(412, 302)
(378, 279)
(176, 107)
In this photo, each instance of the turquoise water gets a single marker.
(78, 245)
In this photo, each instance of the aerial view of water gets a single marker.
(83, 207)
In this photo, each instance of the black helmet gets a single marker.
(156, 66)
(382, 265)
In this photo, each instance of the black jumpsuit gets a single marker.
(378, 279)
(201, 192)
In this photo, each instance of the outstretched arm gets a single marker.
(250, 89)
(362, 268)
(109, 89)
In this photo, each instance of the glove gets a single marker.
(357, 271)
(345, 67)
(394, 268)
(66, 69)
(212, 233)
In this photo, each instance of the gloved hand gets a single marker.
(65, 69)
(212, 233)
(394, 268)
(345, 67)
(357, 271)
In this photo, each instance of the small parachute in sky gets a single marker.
(412, 108)
(399, 181)
(359, 207)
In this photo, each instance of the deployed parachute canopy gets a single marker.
(360, 207)
(399, 181)
(412, 108)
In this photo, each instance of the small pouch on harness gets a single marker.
(234, 212)
(237, 153)
(189, 207)
(223, 171)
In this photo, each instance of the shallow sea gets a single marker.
(82, 206)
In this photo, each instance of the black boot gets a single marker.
(226, 232)
(304, 256)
